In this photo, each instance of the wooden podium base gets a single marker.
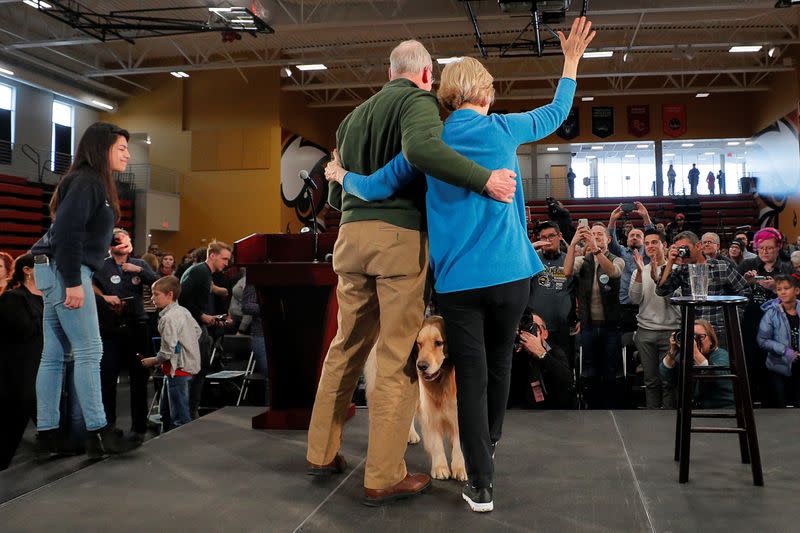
(289, 418)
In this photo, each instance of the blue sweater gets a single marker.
(775, 337)
(475, 241)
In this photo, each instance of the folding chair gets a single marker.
(238, 348)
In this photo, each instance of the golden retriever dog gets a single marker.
(437, 409)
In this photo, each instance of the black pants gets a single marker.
(481, 325)
(196, 384)
(120, 351)
(785, 390)
(17, 399)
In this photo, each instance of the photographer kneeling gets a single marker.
(540, 374)
(716, 394)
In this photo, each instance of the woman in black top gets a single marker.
(21, 309)
(84, 208)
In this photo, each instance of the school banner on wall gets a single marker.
(638, 120)
(571, 127)
(674, 119)
(602, 121)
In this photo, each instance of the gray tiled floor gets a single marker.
(556, 471)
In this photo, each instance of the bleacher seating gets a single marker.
(24, 212)
(720, 214)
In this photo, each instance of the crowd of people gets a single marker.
(79, 310)
(530, 323)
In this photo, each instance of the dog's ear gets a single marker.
(410, 369)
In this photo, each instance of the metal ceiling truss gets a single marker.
(133, 24)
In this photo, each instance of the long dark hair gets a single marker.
(18, 277)
(92, 152)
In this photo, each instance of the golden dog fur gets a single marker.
(437, 408)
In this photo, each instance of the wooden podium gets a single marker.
(298, 309)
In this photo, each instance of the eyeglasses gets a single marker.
(700, 337)
(767, 248)
(709, 242)
(549, 237)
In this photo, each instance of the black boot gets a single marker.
(48, 444)
(106, 440)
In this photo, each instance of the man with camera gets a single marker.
(597, 277)
(541, 377)
(656, 317)
(723, 279)
(552, 293)
(560, 215)
(119, 282)
(635, 240)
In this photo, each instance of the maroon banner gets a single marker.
(638, 120)
(674, 119)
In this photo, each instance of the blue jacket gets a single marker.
(775, 337)
(475, 241)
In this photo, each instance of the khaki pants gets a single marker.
(382, 272)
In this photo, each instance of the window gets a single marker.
(6, 123)
(62, 137)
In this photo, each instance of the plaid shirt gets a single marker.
(723, 279)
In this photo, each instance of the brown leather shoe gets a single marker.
(336, 466)
(411, 485)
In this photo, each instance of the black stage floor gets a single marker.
(557, 471)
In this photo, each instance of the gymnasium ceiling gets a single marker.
(661, 47)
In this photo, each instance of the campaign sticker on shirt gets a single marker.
(603, 278)
(136, 280)
(115, 279)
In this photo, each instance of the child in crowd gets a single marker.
(779, 336)
(179, 355)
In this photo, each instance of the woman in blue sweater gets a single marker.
(83, 209)
(480, 255)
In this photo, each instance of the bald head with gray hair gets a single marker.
(409, 57)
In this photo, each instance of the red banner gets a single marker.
(674, 119)
(638, 120)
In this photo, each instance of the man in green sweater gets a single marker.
(381, 258)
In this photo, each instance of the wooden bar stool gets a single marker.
(737, 373)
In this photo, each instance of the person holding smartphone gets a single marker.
(83, 208)
(120, 281)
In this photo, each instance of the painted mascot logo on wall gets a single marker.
(301, 154)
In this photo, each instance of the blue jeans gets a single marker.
(66, 330)
(260, 355)
(174, 406)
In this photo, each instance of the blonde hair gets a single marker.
(216, 247)
(409, 57)
(465, 81)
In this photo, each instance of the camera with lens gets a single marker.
(526, 324)
(684, 251)
(552, 205)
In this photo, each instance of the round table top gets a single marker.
(708, 300)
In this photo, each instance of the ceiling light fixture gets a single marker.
(749, 143)
(104, 105)
(597, 147)
(642, 146)
(598, 53)
(6, 72)
(447, 60)
(179, 74)
(771, 52)
(734, 143)
(687, 145)
(38, 4)
(702, 95)
(745, 49)
(552, 149)
(587, 99)
(286, 72)
(312, 66)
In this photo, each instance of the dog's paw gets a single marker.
(413, 436)
(440, 472)
(459, 473)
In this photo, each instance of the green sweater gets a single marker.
(400, 117)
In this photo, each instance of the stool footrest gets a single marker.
(701, 414)
(717, 430)
(715, 376)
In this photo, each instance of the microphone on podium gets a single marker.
(307, 179)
